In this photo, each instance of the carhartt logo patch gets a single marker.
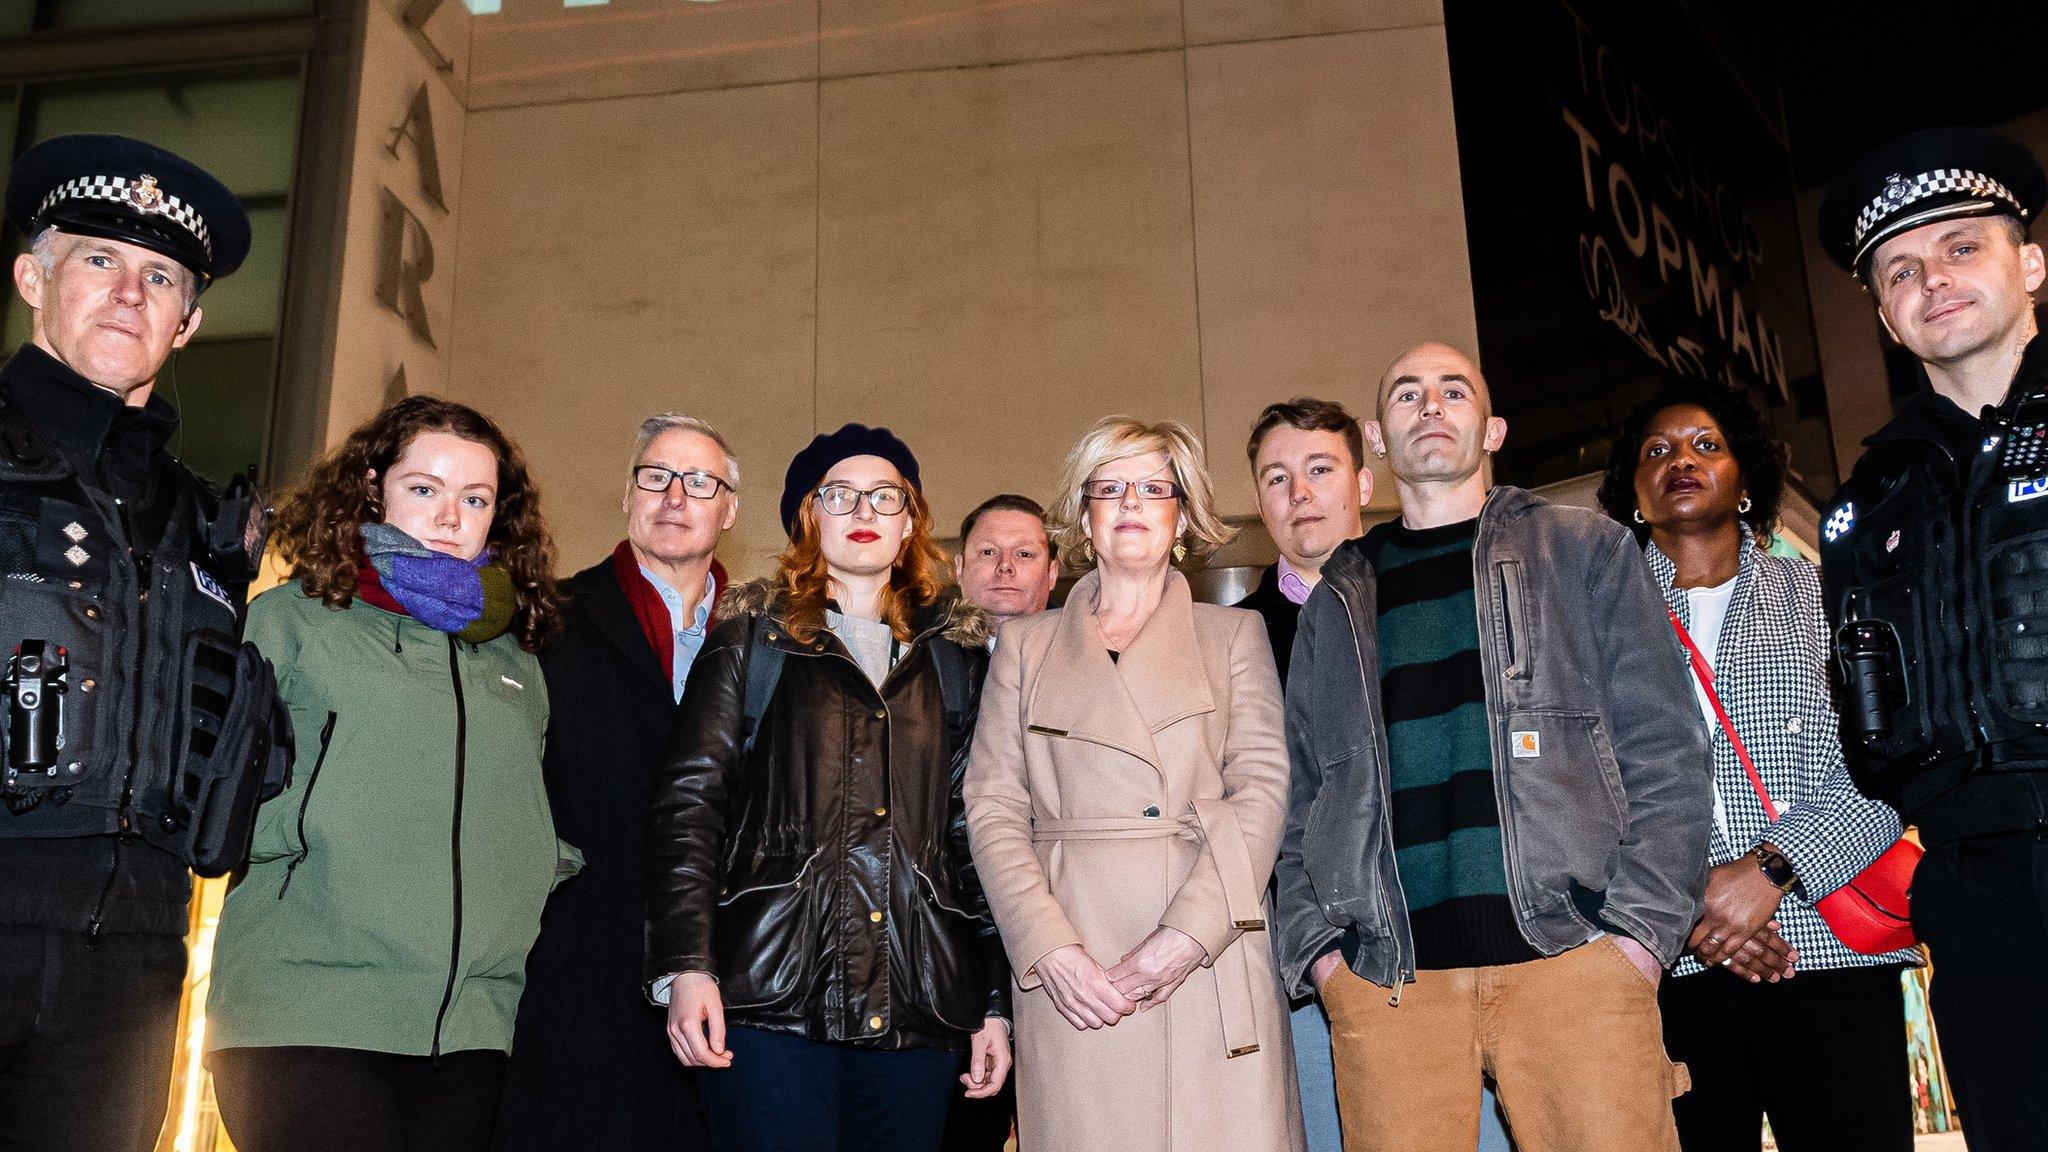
(1526, 745)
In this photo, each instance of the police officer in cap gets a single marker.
(1935, 557)
(121, 579)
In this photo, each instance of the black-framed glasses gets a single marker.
(887, 500)
(1146, 489)
(697, 483)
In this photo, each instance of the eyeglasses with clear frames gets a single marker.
(887, 500)
(1115, 489)
(697, 483)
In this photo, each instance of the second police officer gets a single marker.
(1935, 557)
(139, 728)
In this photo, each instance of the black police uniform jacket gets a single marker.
(824, 877)
(104, 550)
(1942, 533)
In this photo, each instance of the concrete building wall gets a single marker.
(984, 224)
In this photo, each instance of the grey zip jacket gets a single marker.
(1600, 760)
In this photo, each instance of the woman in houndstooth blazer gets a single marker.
(1770, 1012)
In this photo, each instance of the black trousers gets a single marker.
(981, 1125)
(1822, 1054)
(346, 1100)
(86, 1035)
(1981, 906)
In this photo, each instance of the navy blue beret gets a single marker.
(808, 470)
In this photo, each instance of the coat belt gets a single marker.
(1211, 822)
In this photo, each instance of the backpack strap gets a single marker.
(956, 689)
(764, 668)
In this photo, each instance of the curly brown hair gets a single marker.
(921, 573)
(318, 531)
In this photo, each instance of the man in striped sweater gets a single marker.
(1498, 777)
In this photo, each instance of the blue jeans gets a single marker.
(1318, 1078)
(789, 1094)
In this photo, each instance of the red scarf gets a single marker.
(649, 608)
(370, 589)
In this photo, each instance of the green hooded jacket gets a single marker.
(394, 889)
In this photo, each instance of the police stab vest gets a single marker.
(1937, 576)
(132, 707)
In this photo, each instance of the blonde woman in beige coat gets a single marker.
(1125, 801)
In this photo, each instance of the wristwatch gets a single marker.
(1775, 867)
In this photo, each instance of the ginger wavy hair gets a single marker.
(920, 575)
(318, 531)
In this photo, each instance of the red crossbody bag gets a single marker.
(1869, 914)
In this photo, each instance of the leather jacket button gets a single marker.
(881, 811)
(1151, 812)
(880, 714)
(874, 1023)
(874, 917)
(92, 613)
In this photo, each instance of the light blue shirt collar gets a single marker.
(689, 639)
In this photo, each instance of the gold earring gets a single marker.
(1639, 517)
(1743, 506)
(1087, 551)
(1180, 552)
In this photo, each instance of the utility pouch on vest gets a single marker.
(2011, 525)
(234, 752)
(234, 535)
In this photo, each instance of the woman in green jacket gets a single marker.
(369, 962)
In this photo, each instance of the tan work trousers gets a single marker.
(1574, 1044)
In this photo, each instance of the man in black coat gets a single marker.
(591, 1066)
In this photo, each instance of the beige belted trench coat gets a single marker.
(1104, 800)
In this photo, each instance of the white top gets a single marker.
(1708, 607)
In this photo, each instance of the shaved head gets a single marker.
(1432, 360)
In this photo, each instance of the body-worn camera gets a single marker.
(34, 693)
(1868, 653)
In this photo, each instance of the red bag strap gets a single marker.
(1705, 673)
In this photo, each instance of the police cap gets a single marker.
(1939, 174)
(116, 188)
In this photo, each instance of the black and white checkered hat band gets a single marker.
(141, 194)
(1941, 181)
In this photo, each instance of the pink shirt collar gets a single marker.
(1292, 585)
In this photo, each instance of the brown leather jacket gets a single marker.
(823, 877)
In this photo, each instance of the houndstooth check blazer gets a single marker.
(1771, 672)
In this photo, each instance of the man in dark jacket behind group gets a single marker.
(114, 557)
(1500, 805)
(591, 1066)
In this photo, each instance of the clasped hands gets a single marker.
(1090, 996)
(1738, 929)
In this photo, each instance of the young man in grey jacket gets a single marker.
(1501, 801)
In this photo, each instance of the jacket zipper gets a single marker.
(1386, 820)
(1491, 658)
(454, 846)
(141, 565)
(306, 801)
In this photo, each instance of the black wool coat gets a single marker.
(591, 1065)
